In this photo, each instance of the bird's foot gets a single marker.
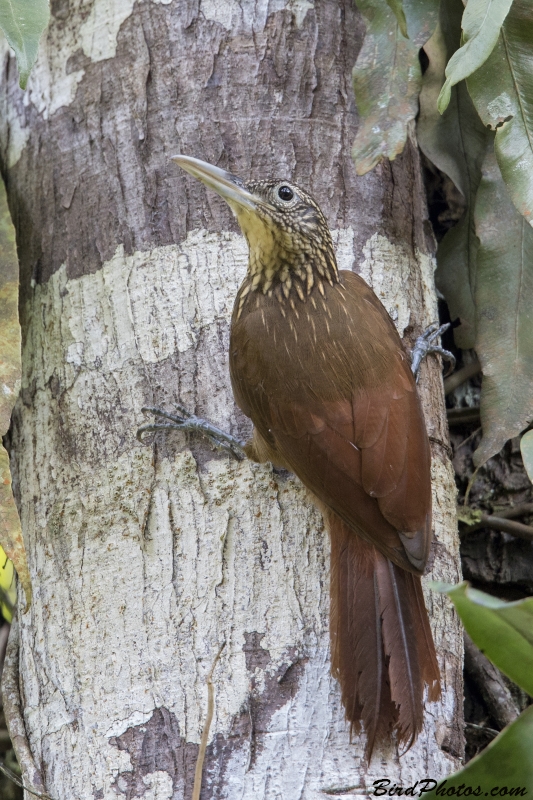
(424, 345)
(188, 423)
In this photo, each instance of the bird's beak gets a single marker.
(228, 186)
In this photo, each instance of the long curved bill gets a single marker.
(228, 186)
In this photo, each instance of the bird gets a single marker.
(318, 366)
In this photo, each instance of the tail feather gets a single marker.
(401, 647)
(426, 648)
(382, 650)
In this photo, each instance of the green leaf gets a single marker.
(502, 92)
(504, 768)
(23, 22)
(526, 448)
(503, 631)
(482, 20)
(386, 78)
(440, 136)
(455, 142)
(397, 8)
(455, 276)
(504, 302)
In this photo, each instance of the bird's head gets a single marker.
(288, 236)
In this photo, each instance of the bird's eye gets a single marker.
(285, 193)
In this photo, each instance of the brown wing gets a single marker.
(329, 388)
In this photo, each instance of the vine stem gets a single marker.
(197, 788)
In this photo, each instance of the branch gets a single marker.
(516, 511)
(461, 376)
(491, 685)
(462, 416)
(501, 523)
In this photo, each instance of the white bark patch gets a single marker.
(180, 308)
(185, 307)
(143, 564)
(426, 274)
(98, 34)
(234, 15)
(343, 239)
(387, 268)
(300, 8)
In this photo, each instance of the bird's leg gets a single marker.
(425, 345)
(188, 423)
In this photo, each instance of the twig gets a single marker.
(483, 728)
(470, 484)
(197, 788)
(333, 790)
(516, 511)
(462, 375)
(468, 439)
(462, 416)
(500, 523)
(16, 780)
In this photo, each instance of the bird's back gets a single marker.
(326, 380)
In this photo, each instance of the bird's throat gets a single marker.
(283, 263)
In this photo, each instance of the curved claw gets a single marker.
(447, 356)
(150, 428)
(160, 412)
(424, 345)
(189, 423)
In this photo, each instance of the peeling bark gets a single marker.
(145, 558)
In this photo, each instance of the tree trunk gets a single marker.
(145, 558)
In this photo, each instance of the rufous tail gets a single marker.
(382, 650)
